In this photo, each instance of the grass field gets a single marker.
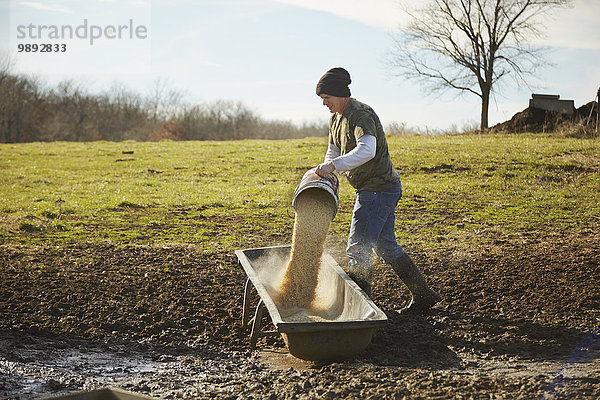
(219, 196)
(114, 252)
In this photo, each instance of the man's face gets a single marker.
(335, 104)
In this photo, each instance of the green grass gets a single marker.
(226, 195)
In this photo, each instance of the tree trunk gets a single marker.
(485, 105)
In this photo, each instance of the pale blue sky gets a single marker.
(269, 54)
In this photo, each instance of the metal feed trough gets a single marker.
(351, 316)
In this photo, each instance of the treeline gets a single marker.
(31, 112)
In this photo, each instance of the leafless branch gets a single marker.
(471, 45)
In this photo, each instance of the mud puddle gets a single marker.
(33, 367)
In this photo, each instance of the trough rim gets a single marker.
(379, 318)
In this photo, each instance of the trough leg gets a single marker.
(246, 305)
(256, 325)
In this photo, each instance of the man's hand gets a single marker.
(324, 169)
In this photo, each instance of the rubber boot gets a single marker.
(423, 298)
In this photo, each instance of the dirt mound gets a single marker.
(583, 112)
(537, 120)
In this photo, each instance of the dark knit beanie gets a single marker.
(335, 83)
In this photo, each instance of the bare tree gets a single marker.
(122, 115)
(30, 111)
(23, 109)
(162, 101)
(469, 45)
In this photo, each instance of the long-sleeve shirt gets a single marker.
(363, 152)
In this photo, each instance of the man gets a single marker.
(358, 147)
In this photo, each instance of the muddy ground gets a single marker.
(518, 320)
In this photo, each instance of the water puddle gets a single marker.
(33, 367)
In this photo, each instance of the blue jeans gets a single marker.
(372, 228)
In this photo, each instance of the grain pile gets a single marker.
(315, 209)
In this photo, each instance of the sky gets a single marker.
(269, 54)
